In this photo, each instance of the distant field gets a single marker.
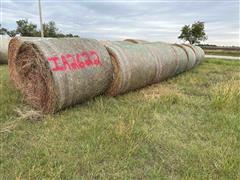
(186, 127)
(222, 52)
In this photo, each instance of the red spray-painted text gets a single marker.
(75, 62)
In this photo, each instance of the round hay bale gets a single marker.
(57, 73)
(182, 58)
(136, 41)
(166, 57)
(201, 54)
(4, 49)
(134, 67)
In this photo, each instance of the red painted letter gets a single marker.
(80, 63)
(65, 62)
(73, 64)
(88, 61)
(57, 67)
(97, 59)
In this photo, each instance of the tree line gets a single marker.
(26, 28)
(194, 33)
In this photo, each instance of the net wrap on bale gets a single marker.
(134, 67)
(166, 57)
(57, 73)
(138, 65)
(200, 53)
(191, 56)
(182, 58)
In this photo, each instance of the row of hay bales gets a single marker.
(57, 73)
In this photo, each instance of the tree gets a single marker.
(50, 29)
(12, 33)
(25, 28)
(3, 30)
(194, 34)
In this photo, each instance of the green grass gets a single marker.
(187, 127)
(222, 52)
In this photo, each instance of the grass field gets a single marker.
(222, 52)
(186, 127)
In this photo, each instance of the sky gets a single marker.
(153, 20)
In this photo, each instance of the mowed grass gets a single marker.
(222, 52)
(186, 127)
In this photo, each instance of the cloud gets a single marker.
(154, 21)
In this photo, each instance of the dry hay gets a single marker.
(197, 55)
(182, 56)
(190, 55)
(57, 73)
(166, 58)
(135, 64)
(50, 88)
(14, 46)
(134, 67)
(192, 59)
(157, 91)
(201, 54)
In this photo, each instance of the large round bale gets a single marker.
(182, 56)
(134, 67)
(4, 49)
(57, 73)
(166, 57)
(136, 41)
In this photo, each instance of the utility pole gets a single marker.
(40, 15)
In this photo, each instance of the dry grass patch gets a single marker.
(157, 91)
(23, 113)
(29, 114)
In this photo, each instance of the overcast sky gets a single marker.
(116, 20)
